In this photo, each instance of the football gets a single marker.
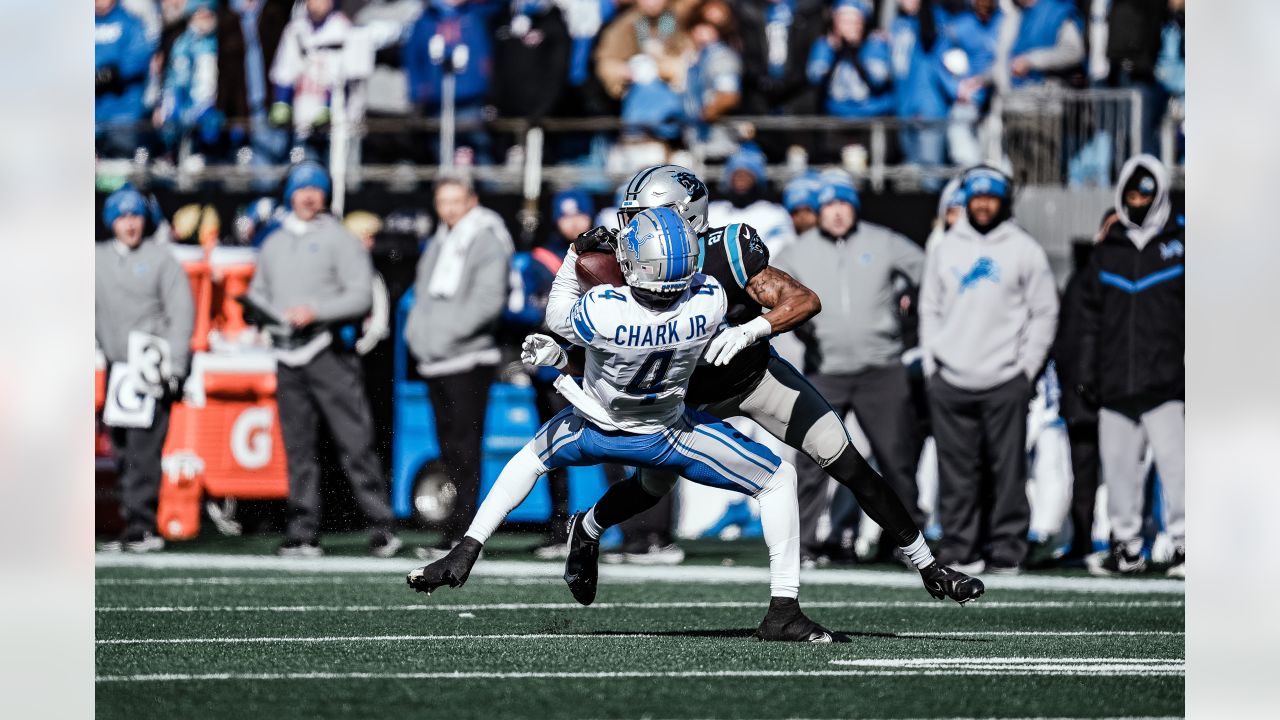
(598, 267)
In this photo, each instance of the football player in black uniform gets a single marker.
(743, 377)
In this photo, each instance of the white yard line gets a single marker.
(442, 607)
(680, 573)
(565, 636)
(1125, 671)
(1075, 667)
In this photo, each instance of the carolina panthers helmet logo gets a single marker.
(690, 182)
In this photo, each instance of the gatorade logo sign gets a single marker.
(251, 438)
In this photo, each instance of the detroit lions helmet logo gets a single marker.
(984, 268)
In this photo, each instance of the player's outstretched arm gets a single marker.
(790, 303)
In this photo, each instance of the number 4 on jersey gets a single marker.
(655, 365)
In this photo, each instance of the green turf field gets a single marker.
(208, 631)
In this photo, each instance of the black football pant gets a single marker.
(460, 402)
(880, 398)
(329, 387)
(1084, 491)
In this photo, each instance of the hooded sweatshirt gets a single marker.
(1132, 336)
(988, 306)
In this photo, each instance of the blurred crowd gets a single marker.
(993, 403)
(262, 82)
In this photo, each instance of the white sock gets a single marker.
(919, 552)
(508, 491)
(780, 516)
(590, 526)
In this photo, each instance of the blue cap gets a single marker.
(861, 6)
(838, 185)
(571, 202)
(746, 158)
(802, 192)
(123, 202)
(985, 181)
(307, 174)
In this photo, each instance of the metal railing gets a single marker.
(1051, 136)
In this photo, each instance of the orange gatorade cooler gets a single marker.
(224, 439)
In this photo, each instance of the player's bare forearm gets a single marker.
(790, 303)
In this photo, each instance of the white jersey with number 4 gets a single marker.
(639, 360)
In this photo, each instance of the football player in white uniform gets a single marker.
(643, 342)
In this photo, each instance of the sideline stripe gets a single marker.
(994, 605)
(701, 574)
(367, 638)
(234, 580)
(245, 677)
(568, 636)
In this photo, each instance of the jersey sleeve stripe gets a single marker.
(735, 254)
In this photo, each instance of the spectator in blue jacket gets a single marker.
(918, 89)
(967, 51)
(453, 24)
(1050, 41)
(585, 19)
(122, 60)
(190, 80)
(852, 67)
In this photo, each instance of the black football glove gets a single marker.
(597, 239)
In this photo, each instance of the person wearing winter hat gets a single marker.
(800, 200)
(988, 313)
(744, 189)
(854, 347)
(1131, 362)
(314, 276)
(139, 286)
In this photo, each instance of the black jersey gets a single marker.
(733, 255)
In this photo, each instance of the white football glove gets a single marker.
(733, 340)
(542, 351)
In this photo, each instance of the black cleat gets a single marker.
(944, 582)
(451, 570)
(786, 622)
(582, 567)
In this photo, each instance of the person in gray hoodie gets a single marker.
(313, 275)
(854, 346)
(139, 286)
(459, 294)
(988, 313)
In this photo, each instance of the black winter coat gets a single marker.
(791, 93)
(1132, 321)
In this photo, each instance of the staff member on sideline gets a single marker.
(855, 343)
(315, 274)
(988, 312)
(140, 286)
(458, 297)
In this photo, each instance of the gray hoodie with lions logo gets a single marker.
(988, 306)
